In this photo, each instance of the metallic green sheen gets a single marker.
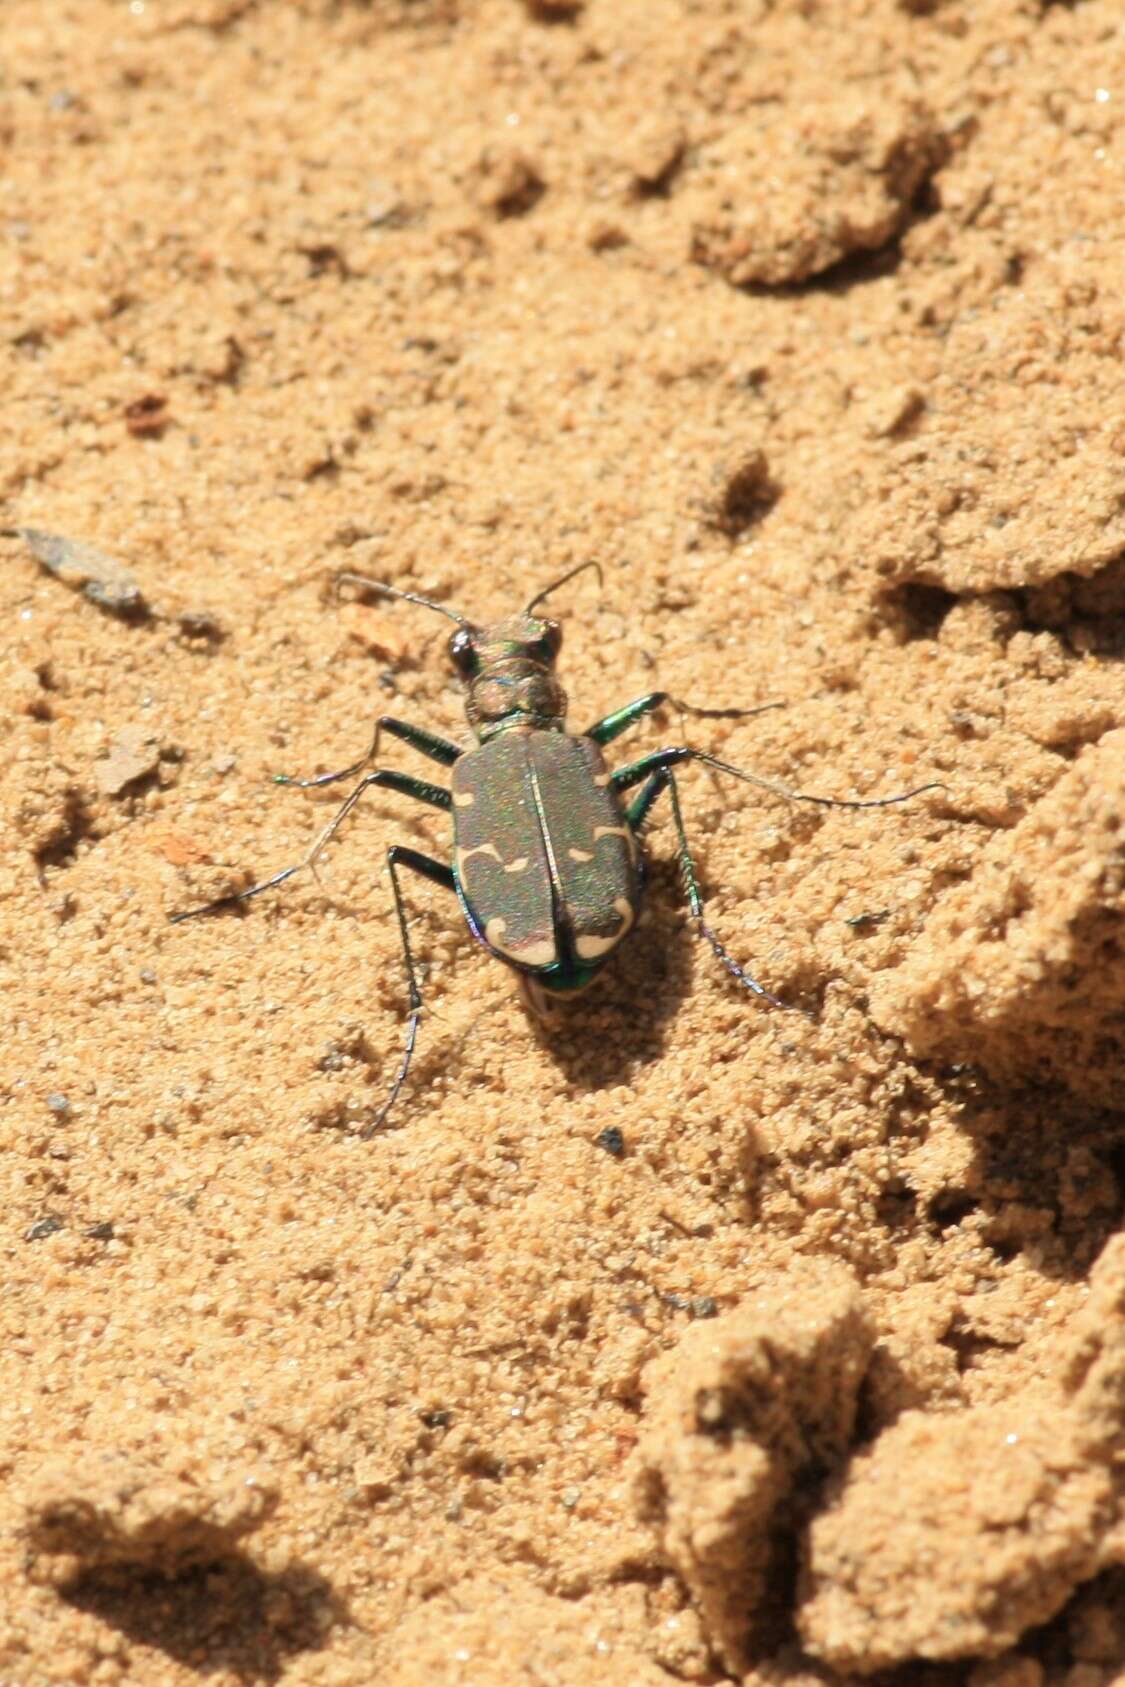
(546, 867)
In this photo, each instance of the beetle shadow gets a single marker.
(604, 1036)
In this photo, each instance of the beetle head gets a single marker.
(532, 639)
(509, 670)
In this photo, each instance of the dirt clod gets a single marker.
(999, 1511)
(109, 1511)
(744, 1416)
(1020, 968)
(777, 200)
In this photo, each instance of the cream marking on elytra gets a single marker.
(531, 954)
(518, 865)
(464, 856)
(580, 855)
(589, 948)
(618, 832)
(464, 799)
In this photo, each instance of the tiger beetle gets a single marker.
(547, 858)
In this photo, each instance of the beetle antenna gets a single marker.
(561, 581)
(350, 579)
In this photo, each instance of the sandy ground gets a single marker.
(805, 318)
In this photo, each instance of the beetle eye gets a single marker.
(462, 652)
(550, 642)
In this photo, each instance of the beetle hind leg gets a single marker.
(399, 855)
(637, 813)
(538, 1001)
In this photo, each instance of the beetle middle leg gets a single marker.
(658, 759)
(420, 789)
(438, 873)
(656, 771)
(428, 743)
(636, 815)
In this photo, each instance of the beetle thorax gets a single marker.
(512, 684)
(514, 693)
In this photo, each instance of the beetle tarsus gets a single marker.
(745, 978)
(380, 1118)
(400, 855)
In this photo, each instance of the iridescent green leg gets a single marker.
(438, 873)
(428, 743)
(611, 726)
(661, 759)
(420, 789)
(656, 771)
(636, 815)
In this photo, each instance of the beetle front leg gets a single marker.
(438, 873)
(636, 815)
(613, 725)
(427, 743)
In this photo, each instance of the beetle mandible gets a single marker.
(547, 862)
